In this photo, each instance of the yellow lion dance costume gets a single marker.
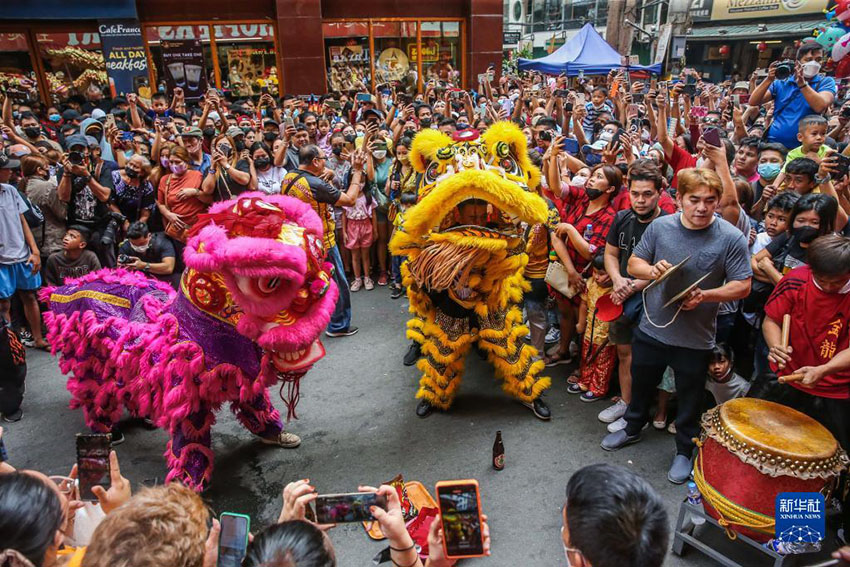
(465, 281)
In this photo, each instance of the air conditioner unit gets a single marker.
(516, 11)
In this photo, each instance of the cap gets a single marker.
(92, 141)
(270, 122)
(76, 140)
(234, 132)
(596, 146)
(192, 132)
(214, 116)
(375, 112)
(97, 114)
(742, 85)
(8, 163)
(93, 125)
(70, 114)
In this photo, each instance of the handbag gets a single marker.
(557, 278)
(171, 229)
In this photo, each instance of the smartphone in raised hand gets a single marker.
(347, 508)
(233, 540)
(460, 514)
(93, 463)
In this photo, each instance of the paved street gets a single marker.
(358, 425)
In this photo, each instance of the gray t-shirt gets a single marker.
(720, 250)
(13, 246)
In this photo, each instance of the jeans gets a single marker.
(341, 318)
(690, 367)
(535, 308)
(395, 269)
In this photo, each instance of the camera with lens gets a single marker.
(76, 157)
(545, 135)
(783, 69)
(110, 233)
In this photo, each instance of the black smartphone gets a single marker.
(233, 541)
(460, 512)
(689, 89)
(616, 138)
(92, 463)
(712, 137)
(843, 165)
(637, 98)
(4, 456)
(563, 93)
(347, 508)
(264, 90)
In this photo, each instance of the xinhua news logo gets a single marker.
(800, 518)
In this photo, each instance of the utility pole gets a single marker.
(617, 33)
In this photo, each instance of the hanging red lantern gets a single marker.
(724, 50)
(762, 47)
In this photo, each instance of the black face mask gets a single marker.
(270, 137)
(209, 132)
(246, 129)
(240, 145)
(409, 133)
(32, 132)
(425, 122)
(645, 216)
(262, 163)
(805, 234)
(97, 135)
(131, 173)
(593, 194)
(337, 150)
(349, 138)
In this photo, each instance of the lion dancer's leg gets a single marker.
(445, 342)
(501, 337)
(261, 418)
(189, 456)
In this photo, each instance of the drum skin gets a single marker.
(752, 450)
(743, 484)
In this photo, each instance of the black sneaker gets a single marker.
(14, 416)
(117, 438)
(414, 352)
(539, 408)
(343, 333)
(424, 408)
(397, 291)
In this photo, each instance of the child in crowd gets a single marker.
(800, 176)
(74, 260)
(360, 225)
(775, 220)
(596, 106)
(598, 356)
(723, 383)
(404, 202)
(811, 134)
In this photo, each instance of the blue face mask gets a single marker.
(769, 171)
(55, 117)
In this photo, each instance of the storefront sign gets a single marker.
(430, 53)
(511, 38)
(184, 66)
(124, 55)
(705, 10)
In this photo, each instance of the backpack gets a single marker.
(33, 214)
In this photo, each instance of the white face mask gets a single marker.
(702, 161)
(811, 69)
(379, 154)
(579, 181)
(140, 249)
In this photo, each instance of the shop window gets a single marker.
(395, 55)
(441, 51)
(155, 35)
(72, 62)
(246, 58)
(347, 56)
(16, 72)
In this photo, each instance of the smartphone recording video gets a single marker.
(712, 137)
(233, 541)
(347, 508)
(460, 510)
(92, 463)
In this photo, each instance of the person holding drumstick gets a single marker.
(814, 365)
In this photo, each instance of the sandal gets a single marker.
(557, 359)
(574, 376)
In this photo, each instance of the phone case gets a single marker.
(247, 527)
(449, 483)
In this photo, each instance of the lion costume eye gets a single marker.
(510, 165)
(268, 285)
(432, 173)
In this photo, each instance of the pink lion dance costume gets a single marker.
(253, 300)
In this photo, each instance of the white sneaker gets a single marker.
(368, 283)
(284, 439)
(553, 335)
(613, 412)
(616, 426)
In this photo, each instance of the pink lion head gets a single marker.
(257, 261)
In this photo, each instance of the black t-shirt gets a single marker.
(626, 231)
(225, 187)
(786, 253)
(161, 247)
(84, 207)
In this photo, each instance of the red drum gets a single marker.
(750, 451)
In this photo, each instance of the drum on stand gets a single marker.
(751, 450)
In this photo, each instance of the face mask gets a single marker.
(701, 162)
(579, 181)
(246, 129)
(262, 162)
(379, 154)
(810, 69)
(645, 216)
(97, 135)
(55, 117)
(140, 249)
(337, 150)
(349, 138)
(405, 159)
(179, 128)
(209, 132)
(240, 145)
(409, 133)
(163, 161)
(769, 171)
(32, 131)
(178, 169)
(593, 194)
(128, 153)
(270, 137)
(131, 173)
(360, 133)
(805, 234)
(425, 122)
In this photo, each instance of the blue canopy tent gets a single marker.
(586, 52)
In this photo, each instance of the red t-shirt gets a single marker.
(678, 160)
(623, 201)
(819, 329)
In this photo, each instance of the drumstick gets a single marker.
(786, 330)
(827, 563)
(791, 378)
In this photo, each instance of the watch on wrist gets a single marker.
(821, 180)
(147, 267)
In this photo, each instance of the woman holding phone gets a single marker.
(231, 172)
(181, 199)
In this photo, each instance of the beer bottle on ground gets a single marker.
(498, 452)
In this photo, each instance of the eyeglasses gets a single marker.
(65, 484)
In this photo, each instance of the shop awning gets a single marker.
(798, 29)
